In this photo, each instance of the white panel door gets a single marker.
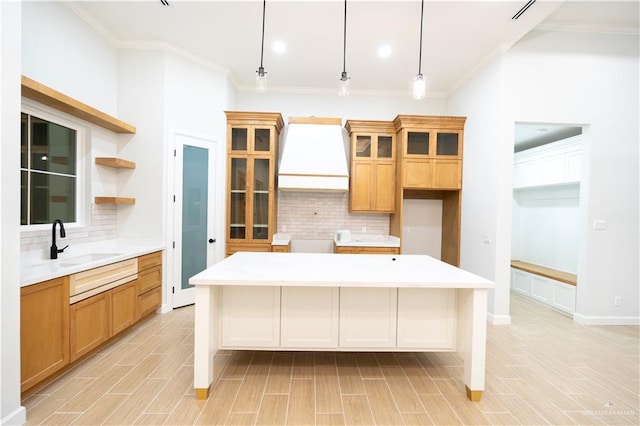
(426, 318)
(309, 317)
(368, 317)
(250, 317)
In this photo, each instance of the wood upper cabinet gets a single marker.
(252, 155)
(430, 151)
(373, 166)
(44, 330)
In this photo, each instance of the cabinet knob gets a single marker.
(212, 240)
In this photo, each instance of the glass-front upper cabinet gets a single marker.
(252, 141)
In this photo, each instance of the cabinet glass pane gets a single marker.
(238, 199)
(262, 140)
(385, 147)
(238, 139)
(447, 144)
(363, 146)
(53, 147)
(261, 199)
(52, 197)
(24, 140)
(418, 143)
(23, 198)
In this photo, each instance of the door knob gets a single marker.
(212, 240)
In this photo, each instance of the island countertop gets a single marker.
(337, 270)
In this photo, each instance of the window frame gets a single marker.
(82, 191)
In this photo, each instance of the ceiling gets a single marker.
(458, 37)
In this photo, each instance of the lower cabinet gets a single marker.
(426, 318)
(250, 317)
(89, 324)
(551, 292)
(338, 318)
(124, 307)
(368, 317)
(309, 317)
(149, 283)
(366, 250)
(44, 330)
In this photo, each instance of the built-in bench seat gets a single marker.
(554, 274)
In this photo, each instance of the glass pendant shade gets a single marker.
(261, 80)
(419, 87)
(343, 87)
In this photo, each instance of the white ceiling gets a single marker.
(458, 36)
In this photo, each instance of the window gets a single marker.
(48, 176)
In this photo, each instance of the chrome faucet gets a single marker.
(54, 249)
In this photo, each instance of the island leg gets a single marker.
(205, 339)
(472, 338)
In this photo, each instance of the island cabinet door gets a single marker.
(368, 317)
(250, 317)
(427, 318)
(309, 317)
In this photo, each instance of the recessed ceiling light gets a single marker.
(279, 47)
(384, 51)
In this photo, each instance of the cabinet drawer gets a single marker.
(88, 281)
(149, 279)
(149, 260)
(149, 301)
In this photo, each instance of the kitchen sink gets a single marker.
(86, 258)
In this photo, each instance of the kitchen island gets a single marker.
(339, 302)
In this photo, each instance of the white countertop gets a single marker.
(337, 270)
(35, 267)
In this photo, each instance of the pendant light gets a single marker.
(343, 88)
(261, 74)
(419, 85)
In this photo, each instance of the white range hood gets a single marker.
(314, 155)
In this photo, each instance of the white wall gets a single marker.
(546, 226)
(591, 79)
(486, 183)
(10, 40)
(62, 52)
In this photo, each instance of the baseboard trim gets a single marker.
(498, 319)
(164, 308)
(591, 320)
(16, 417)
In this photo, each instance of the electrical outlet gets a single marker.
(617, 301)
(487, 238)
(364, 229)
(600, 225)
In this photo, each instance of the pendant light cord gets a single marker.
(264, 5)
(421, 23)
(344, 45)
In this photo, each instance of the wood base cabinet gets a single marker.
(44, 330)
(90, 324)
(365, 250)
(149, 283)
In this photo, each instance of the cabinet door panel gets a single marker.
(385, 195)
(250, 317)
(309, 317)
(426, 318)
(124, 307)
(361, 186)
(368, 317)
(89, 323)
(417, 173)
(447, 174)
(44, 330)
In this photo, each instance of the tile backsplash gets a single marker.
(318, 215)
(102, 226)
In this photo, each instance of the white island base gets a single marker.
(339, 302)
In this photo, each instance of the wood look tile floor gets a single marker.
(542, 369)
